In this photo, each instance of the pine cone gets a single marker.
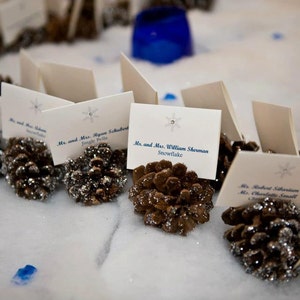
(266, 238)
(29, 169)
(227, 152)
(6, 79)
(202, 4)
(1, 158)
(170, 197)
(97, 176)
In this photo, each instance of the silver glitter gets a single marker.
(97, 176)
(268, 247)
(29, 168)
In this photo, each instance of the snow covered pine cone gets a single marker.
(28, 168)
(170, 197)
(97, 176)
(266, 238)
(1, 158)
(227, 152)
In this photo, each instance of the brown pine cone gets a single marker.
(28, 37)
(97, 176)
(29, 169)
(6, 79)
(86, 27)
(202, 4)
(57, 29)
(1, 158)
(116, 13)
(227, 152)
(170, 197)
(265, 237)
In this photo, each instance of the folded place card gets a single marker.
(30, 76)
(71, 129)
(179, 134)
(214, 96)
(133, 80)
(68, 82)
(98, 13)
(75, 14)
(77, 11)
(254, 176)
(22, 111)
(275, 127)
(16, 15)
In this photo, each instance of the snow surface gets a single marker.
(106, 252)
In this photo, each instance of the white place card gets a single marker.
(214, 96)
(76, 12)
(275, 128)
(179, 134)
(30, 77)
(71, 129)
(16, 15)
(22, 111)
(68, 82)
(98, 13)
(74, 18)
(255, 175)
(133, 80)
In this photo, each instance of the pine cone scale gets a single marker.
(170, 197)
(266, 238)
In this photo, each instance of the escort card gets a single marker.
(77, 11)
(68, 82)
(214, 96)
(98, 13)
(22, 111)
(255, 175)
(30, 76)
(71, 129)
(275, 128)
(75, 14)
(179, 134)
(133, 80)
(16, 15)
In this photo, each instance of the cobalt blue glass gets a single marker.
(161, 35)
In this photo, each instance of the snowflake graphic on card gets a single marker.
(285, 170)
(90, 114)
(173, 122)
(36, 106)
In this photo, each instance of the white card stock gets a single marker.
(72, 129)
(255, 175)
(179, 134)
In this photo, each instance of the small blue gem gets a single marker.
(169, 96)
(98, 59)
(277, 36)
(24, 275)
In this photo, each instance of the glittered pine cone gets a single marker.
(6, 79)
(27, 38)
(97, 176)
(1, 158)
(203, 4)
(227, 152)
(170, 197)
(265, 237)
(116, 13)
(29, 169)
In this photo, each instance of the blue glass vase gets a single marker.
(161, 35)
